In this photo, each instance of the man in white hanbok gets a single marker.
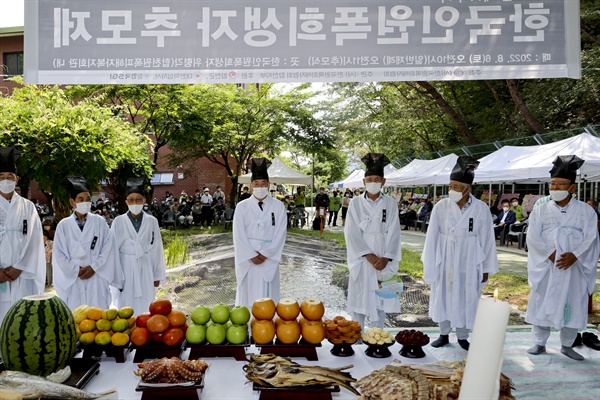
(459, 255)
(141, 251)
(22, 258)
(562, 239)
(372, 233)
(259, 231)
(85, 259)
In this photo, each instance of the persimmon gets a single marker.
(157, 323)
(140, 337)
(177, 318)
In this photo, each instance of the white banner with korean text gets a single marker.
(250, 41)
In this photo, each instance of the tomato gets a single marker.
(140, 337)
(157, 323)
(177, 318)
(173, 336)
(160, 306)
(157, 337)
(142, 319)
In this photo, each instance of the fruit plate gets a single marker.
(206, 350)
(300, 349)
(94, 350)
(343, 349)
(82, 370)
(316, 392)
(183, 391)
(379, 350)
(155, 350)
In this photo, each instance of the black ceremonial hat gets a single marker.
(375, 163)
(136, 185)
(76, 185)
(259, 168)
(464, 170)
(566, 167)
(8, 159)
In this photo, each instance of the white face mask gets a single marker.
(515, 204)
(260, 192)
(559, 195)
(373, 187)
(83, 208)
(7, 186)
(505, 209)
(135, 209)
(455, 196)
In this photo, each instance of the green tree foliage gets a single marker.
(229, 124)
(58, 137)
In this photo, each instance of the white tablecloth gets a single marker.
(225, 378)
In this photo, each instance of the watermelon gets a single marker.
(38, 335)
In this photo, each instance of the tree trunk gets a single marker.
(61, 210)
(447, 108)
(522, 107)
(500, 106)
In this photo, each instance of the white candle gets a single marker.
(481, 379)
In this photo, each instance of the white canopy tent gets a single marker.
(423, 172)
(355, 179)
(532, 164)
(280, 173)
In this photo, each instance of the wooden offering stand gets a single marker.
(300, 349)
(296, 393)
(94, 350)
(237, 351)
(155, 351)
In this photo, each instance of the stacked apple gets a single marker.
(218, 325)
(95, 325)
(287, 327)
(161, 324)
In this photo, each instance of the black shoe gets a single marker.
(590, 340)
(441, 341)
(577, 341)
(464, 343)
(405, 228)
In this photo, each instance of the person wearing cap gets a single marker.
(562, 239)
(22, 257)
(85, 258)
(206, 201)
(141, 250)
(259, 232)
(372, 233)
(459, 255)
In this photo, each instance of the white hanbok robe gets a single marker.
(559, 298)
(142, 260)
(264, 231)
(94, 246)
(371, 227)
(22, 247)
(459, 248)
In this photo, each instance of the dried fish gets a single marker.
(270, 370)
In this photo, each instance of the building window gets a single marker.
(13, 64)
(162, 178)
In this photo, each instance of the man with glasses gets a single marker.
(22, 257)
(562, 239)
(459, 255)
(140, 250)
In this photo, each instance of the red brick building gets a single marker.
(166, 178)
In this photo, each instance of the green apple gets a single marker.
(237, 334)
(220, 313)
(240, 315)
(200, 315)
(195, 334)
(215, 334)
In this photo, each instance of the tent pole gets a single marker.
(490, 195)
